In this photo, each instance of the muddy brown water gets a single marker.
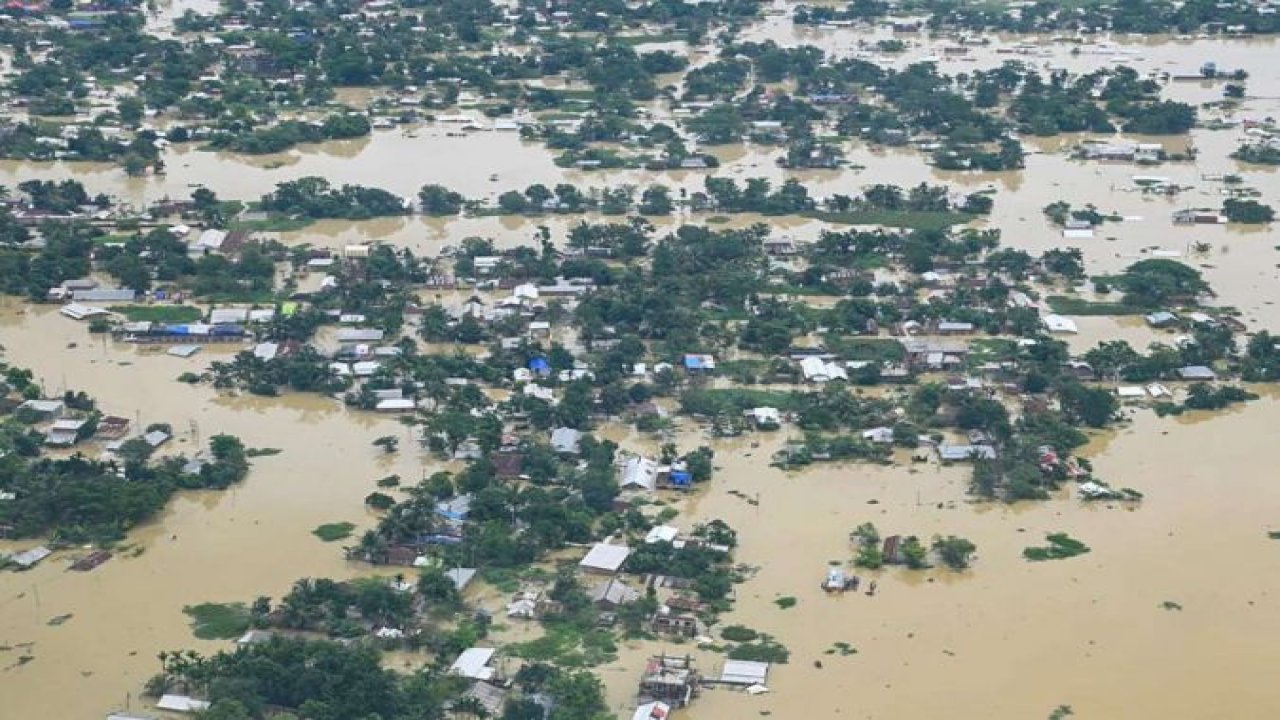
(1006, 639)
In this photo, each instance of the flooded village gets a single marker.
(639, 360)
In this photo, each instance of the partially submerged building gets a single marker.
(669, 679)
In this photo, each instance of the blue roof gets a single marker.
(693, 362)
(539, 364)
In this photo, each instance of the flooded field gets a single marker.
(1173, 614)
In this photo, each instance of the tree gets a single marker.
(131, 110)
(131, 271)
(954, 551)
(1095, 407)
(226, 710)
(1247, 211)
(656, 200)
(914, 553)
(578, 696)
(1111, 357)
(436, 586)
(379, 501)
(388, 443)
(513, 202)
(1159, 281)
(439, 200)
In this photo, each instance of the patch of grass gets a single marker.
(633, 40)
(985, 350)
(113, 239)
(503, 579)
(863, 348)
(218, 621)
(766, 649)
(1170, 605)
(272, 224)
(567, 645)
(1067, 305)
(739, 634)
(717, 220)
(841, 648)
(1273, 534)
(262, 452)
(786, 602)
(159, 313)
(331, 532)
(893, 218)
(1060, 547)
(249, 297)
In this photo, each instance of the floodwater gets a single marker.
(1007, 638)
(254, 539)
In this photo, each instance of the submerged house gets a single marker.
(669, 679)
(474, 663)
(960, 453)
(612, 594)
(604, 559)
(639, 473)
(934, 354)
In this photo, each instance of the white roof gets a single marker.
(605, 557)
(878, 434)
(184, 351)
(27, 558)
(43, 406)
(76, 311)
(396, 404)
(473, 663)
(266, 350)
(661, 533)
(818, 370)
(156, 438)
(652, 711)
(223, 316)
(1094, 490)
(211, 239)
(359, 334)
(365, 368)
(767, 414)
(566, 440)
(1059, 324)
(639, 472)
(1196, 372)
(1131, 391)
(744, 672)
(181, 703)
(461, 577)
